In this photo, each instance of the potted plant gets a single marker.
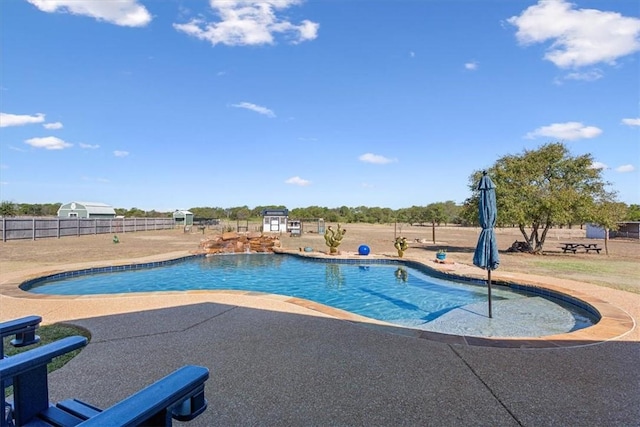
(401, 245)
(441, 254)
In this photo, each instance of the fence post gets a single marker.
(33, 227)
(4, 229)
(58, 227)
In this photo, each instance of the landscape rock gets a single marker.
(239, 243)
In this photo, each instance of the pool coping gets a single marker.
(614, 322)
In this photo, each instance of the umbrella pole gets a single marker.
(489, 291)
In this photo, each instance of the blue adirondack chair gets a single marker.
(24, 330)
(179, 395)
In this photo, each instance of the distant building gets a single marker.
(183, 218)
(274, 220)
(628, 230)
(595, 232)
(86, 210)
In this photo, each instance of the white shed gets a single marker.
(274, 220)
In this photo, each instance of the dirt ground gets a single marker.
(618, 270)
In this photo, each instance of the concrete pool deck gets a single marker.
(281, 361)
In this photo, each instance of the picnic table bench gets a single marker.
(574, 247)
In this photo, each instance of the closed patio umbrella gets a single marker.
(486, 254)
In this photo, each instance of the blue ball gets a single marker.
(363, 250)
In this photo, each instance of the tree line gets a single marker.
(535, 191)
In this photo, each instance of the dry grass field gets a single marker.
(617, 270)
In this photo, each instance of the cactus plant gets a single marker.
(333, 238)
(401, 245)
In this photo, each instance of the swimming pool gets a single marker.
(390, 291)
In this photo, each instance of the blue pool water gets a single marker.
(393, 293)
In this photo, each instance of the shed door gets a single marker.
(274, 224)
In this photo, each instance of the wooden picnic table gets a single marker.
(574, 247)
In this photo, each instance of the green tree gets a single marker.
(415, 215)
(134, 213)
(7, 208)
(435, 214)
(633, 213)
(608, 215)
(28, 209)
(543, 188)
(451, 211)
(469, 212)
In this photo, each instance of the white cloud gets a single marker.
(412, 54)
(88, 146)
(631, 122)
(53, 126)
(625, 168)
(598, 165)
(296, 180)
(257, 108)
(587, 76)
(569, 131)
(119, 153)
(471, 65)
(48, 143)
(7, 120)
(249, 22)
(376, 159)
(126, 13)
(579, 37)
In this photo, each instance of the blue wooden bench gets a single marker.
(179, 395)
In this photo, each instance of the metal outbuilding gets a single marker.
(626, 230)
(183, 217)
(86, 210)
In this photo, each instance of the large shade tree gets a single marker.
(542, 188)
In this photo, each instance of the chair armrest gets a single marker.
(11, 327)
(179, 395)
(24, 330)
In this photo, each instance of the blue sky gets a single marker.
(183, 103)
